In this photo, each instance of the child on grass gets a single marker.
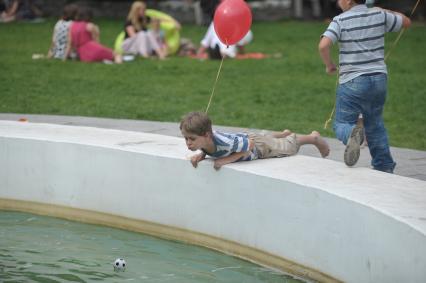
(60, 32)
(196, 127)
(158, 35)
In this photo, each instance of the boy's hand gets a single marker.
(330, 69)
(197, 158)
(324, 51)
(219, 163)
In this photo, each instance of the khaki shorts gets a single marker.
(267, 146)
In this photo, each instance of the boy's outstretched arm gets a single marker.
(229, 159)
(233, 157)
(324, 50)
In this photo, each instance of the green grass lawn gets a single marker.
(275, 93)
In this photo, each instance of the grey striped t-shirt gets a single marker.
(360, 32)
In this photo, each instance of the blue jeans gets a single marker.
(365, 95)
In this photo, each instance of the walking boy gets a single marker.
(362, 77)
(196, 127)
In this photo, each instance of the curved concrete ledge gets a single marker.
(311, 217)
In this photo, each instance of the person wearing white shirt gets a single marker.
(217, 49)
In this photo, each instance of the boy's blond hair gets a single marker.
(197, 123)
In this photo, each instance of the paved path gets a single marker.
(410, 163)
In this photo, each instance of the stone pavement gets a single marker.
(410, 163)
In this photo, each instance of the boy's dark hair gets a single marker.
(84, 14)
(359, 1)
(197, 123)
(69, 12)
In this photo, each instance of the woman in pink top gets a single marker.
(84, 39)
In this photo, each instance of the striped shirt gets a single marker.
(360, 32)
(226, 144)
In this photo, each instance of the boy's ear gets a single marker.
(207, 135)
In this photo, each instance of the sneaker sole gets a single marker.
(352, 150)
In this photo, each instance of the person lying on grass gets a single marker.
(196, 127)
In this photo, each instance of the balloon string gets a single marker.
(214, 85)
(386, 57)
(401, 32)
(334, 106)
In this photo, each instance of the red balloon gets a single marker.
(232, 21)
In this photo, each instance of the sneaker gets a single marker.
(352, 150)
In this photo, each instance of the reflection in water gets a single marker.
(45, 249)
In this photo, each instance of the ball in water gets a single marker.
(119, 264)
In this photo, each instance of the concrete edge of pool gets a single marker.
(307, 216)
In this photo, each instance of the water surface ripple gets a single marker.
(46, 249)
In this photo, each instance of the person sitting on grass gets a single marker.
(158, 35)
(60, 32)
(8, 11)
(138, 39)
(83, 37)
(25, 10)
(196, 127)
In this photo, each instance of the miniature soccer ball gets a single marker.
(119, 264)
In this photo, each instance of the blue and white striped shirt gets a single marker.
(360, 32)
(226, 144)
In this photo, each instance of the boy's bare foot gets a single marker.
(321, 144)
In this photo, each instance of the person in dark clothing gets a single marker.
(209, 7)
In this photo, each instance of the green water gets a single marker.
(45, 249)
